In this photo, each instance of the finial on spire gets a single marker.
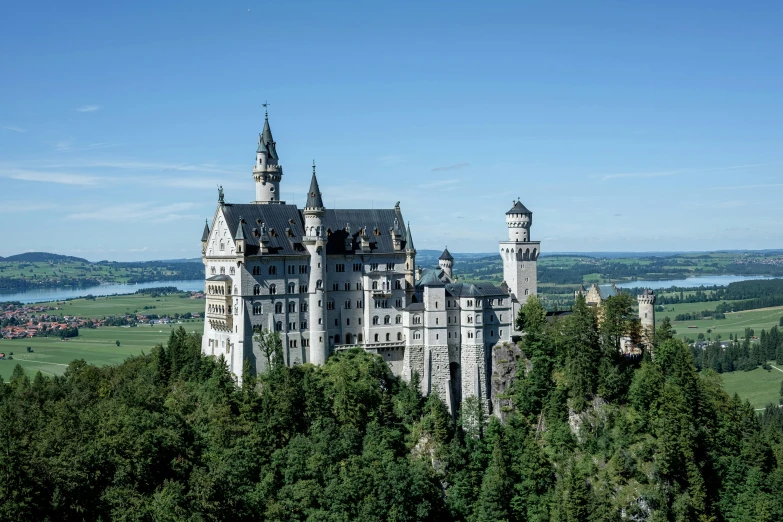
(313, 167)
(220, 194)
(266, 112)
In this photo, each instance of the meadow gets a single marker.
(759, 386)
(734, 323)
(125, 304)
(97, 346)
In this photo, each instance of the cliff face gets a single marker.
(506, 360)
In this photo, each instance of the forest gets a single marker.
(592, 436)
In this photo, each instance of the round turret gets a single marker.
(646, 302)
(518, 221)
(446, 262)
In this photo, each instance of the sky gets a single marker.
(623, 126)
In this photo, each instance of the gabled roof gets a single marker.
(205, 235)
(221, 277)
(475, 290)
(430, 278)
(519, 208)
(446, 255)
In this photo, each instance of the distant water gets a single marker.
(44, 295)
(690, 282)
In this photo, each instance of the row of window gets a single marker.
(272, 269)
(213, 270)
(216, 289)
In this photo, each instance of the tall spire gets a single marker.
(314, 194)
(240, 231)
(409, 239)
(205, 235)
(265, 140)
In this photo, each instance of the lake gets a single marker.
(691, 282)
(43, 295)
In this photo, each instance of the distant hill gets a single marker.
(37, 257)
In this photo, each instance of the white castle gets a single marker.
(333, 279)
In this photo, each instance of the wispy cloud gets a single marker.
(741, 187)
(134, 212)
(67, 146)
(88, 108)
(14, 128)
(442, 184)
(48, 176)
(662, 173)
(390, 159)
(451, 167)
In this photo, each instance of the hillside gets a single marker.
(37, 257)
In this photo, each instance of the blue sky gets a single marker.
(622, 126)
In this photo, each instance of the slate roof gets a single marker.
(409, 239)
(519, 208)
(474, 290)
(446, 255)
(265, 141)
(430, 278)
(314, 194)
(205, 235)
(647, 291)
(240, 230)
(285, 227)
(221, 277)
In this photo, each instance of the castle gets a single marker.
(333, 279)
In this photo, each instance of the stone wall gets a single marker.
(506, 360)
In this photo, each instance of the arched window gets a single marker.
(272, 270)
(303, 308)
(399, 336)
(375, 285)
(376, 338)
(292, 307)
(212, 269)
(222, 270)
(526, 291)
(272, 289)
(318, 283)
(348, 338)
(388, 337)
(256, 270)
(387, 320)
(279, 326)
(278, 308)
(291, 288)
(398, 285)
(257, 290)
(375, 319)
(398, 319)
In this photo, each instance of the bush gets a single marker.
(117, 343)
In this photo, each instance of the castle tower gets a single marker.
(647, 316)
(315, 242)
(520, 254)
(446, 262)
(205, 238)
(267, 173)
(410, 264)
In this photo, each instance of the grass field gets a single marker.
(760, 387)
(51, 356)
(734, 323)
(124, 304)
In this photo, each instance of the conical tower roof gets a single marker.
(409, 239)
(205, 235)
(519, 208)
(314, 194)
(240, 231)
(265, 141)
(446, 255)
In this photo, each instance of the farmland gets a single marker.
(97, 346)
(759, 386)
(127, 304)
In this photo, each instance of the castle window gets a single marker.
(278, 308)
(470, 319)
(357, 267)
(416, 319)
(222, 270)
(500, 333)
(279, 326)
(272, 289)
(437, 320)
(302, 289)
(319, 303)
(257, 290)
(330, 304)
(358, 286)
(360, 321)
(303, 308)
(492, 333)
(436, 304)
(390, 266)
(398, 284)
(500, 318)
(222, 246)
(526, 291)
(256, 270)
(347, 304)
(335, 286)
(339, 267)
(272, 270)
(375, 319)
(291, 269)
(232, 271)
(437, 336)
(376, 338)
(359, 338)
(398, 303)
(359, 303)
(257, 309)
(373, 266)
(291, 288)
(318, 283)
(347, 286)
(388, 337)
(302, 269)
(292, 326)
(348, 338)
(398, 319)
(291, 307)
(417, 335)
(375, 285)
(348, 322)
(387, 320)
(303, 325)
(212, 270)
(337, 322)
(470, 335)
